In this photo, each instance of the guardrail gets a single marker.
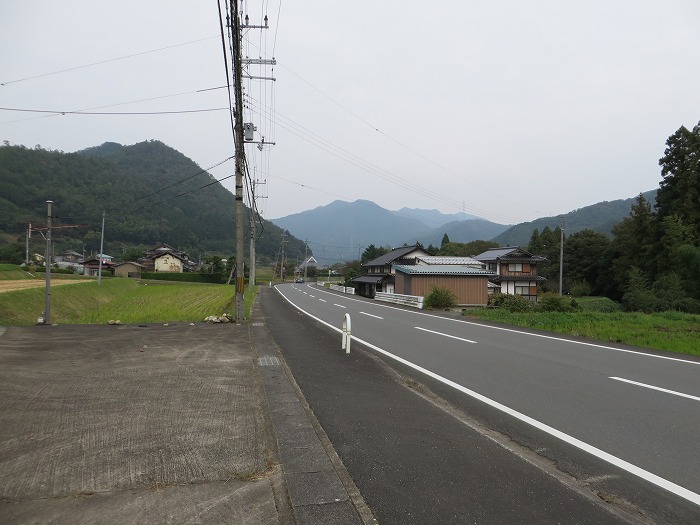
(415, 301)
(344, 289)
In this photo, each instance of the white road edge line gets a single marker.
(652, 387)
(543, 336)
(605, 456)
(445, 335)
(371, 315)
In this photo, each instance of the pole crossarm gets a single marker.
(260, 61)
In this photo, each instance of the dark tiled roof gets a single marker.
(371, 279)
(390, 257)
(511, 253)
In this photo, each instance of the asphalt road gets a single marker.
(622, 421)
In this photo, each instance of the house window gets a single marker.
(492, 266)
(522, 290)
(515, 267)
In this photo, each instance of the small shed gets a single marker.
(91, 267)
(468, 284)
(129, 269)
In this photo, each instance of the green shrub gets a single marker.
(551, 302)
(512, 303)
(439, 299)
(580, 288)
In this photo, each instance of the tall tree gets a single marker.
(372, 252)
(679, 191)
(547, 245)
(632, 244)
(582, 256)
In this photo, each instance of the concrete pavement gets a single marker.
(160, 424)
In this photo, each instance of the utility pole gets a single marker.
(251, 265)
(29, 236)
(101, 254)
(253, 234)
(306, 256)
(282, 259)
(240, 138)
(47, 263)
(240, 157)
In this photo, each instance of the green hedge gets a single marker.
(187, 277)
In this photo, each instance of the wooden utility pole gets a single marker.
(240, 158)
(47, 264)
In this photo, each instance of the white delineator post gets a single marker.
(346, 334)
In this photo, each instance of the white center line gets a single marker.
(445, 335)
(696, 398)
(339, 305)
(371, 315)
(312, 296)
(323, 300)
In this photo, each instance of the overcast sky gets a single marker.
(509, 110)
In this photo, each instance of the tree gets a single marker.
(372, 252)
(445, 240)
(351, 270)
(679, 191)
(12, 253)
(548, 242)
(632, 245)
(468, 249)
(582, 257)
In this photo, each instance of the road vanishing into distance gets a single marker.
(634, 409)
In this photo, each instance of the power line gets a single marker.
(104, 61)
(63, 112)
(182, 180)
(83, 110)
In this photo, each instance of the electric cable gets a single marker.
(104, 61)
(63, 112)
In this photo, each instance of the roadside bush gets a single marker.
(512, 303)
(439, 299)
(551, 302)
(580, 288)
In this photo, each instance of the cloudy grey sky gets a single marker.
(508, 110)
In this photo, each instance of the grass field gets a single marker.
(126, 300)
(669, 331)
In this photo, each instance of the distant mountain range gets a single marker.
(153, 193)
(342, 230)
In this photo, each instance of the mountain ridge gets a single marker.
(341, 229)
(151, 193)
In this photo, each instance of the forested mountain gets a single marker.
(600, 218)
(434, 218)
(339, 229)
(150, 193)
